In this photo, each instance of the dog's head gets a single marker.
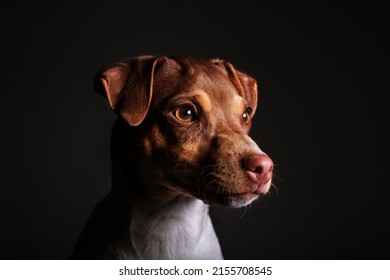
(188, 121)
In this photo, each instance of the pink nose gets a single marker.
(258, 168)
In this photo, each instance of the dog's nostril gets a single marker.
(257, 169)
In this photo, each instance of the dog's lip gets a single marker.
(249, 192)
(256, 190)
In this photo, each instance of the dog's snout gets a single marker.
(259, 168)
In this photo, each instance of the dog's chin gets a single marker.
(243, 198)
(237, 200)
(229, 200)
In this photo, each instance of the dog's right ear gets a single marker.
(128, 87)
(245, 84)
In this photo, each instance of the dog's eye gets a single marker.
(245, 115)
(185, 114)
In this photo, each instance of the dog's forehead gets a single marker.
(227, 103)
(199, 79)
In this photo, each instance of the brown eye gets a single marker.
(185, 114)
(245, 115)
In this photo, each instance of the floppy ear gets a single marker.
(128, 87)
(245, 84)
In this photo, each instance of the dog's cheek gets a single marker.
(159, 140)
(168, 153)
(174, 156)
(150, 152)
(186, 158)
(147, 147)
(188, 151)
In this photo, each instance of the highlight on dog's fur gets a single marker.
(179, 144)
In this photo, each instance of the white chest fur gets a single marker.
(181, 229)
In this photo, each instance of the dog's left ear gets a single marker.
(245, 84)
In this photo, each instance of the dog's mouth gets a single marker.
(226, 183)
(234, 200)
(219, 193)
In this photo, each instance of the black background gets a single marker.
(321, 68)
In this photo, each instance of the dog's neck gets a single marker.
(178, 229)
(163, 224)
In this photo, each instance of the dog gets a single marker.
(179, 144)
